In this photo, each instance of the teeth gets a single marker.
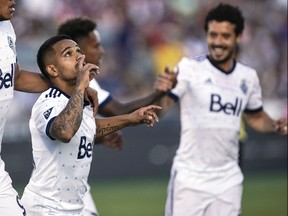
(219, 50)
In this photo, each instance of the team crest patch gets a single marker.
(244, 87)
(11, 43)
(47, 113)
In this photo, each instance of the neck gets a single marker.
(225, 66)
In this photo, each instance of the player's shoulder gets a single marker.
(246, 69)
(192, 65)
(6, 26)
(193, 60)
(95, 85)
(52, 94)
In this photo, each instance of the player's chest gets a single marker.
(7, 61)
(222, 93)
(7, 49)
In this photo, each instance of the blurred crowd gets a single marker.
(142, 36)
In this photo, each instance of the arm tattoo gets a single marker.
(102, 131)
(71, 116)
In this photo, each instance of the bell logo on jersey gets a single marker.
(217, 105)
(84, 150)
(6, 81)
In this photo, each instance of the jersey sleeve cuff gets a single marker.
(48, 128)
(248, 111)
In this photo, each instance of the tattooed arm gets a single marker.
(68, 121)
(144, 115)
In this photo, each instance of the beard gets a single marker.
(226, 58)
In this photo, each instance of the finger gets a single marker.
(81, 62)
(91, 67)
(153, 107)
(167, 69)
(150, 120)
(154, 115)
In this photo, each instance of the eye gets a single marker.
(78, 51)
(226, 36)
(213, 35)
(67, 54)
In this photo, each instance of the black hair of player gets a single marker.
(226, 12)
(77, 28)
(46, 48)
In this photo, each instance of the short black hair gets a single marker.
(226, 12)
(77, 28)
(46, 48)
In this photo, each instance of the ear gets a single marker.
(51, 70)
(238, 38)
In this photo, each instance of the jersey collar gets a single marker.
(86, 103)
(216, 66)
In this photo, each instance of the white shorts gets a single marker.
(183, 201)
(90, 208)
(11, 206)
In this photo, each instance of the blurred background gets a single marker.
(141, 37)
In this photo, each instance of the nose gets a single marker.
(79, 56)
(218, 40)
(102, 51)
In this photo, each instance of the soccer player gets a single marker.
(11, 77)
(63, 131)
(214, 91)
(83, 31)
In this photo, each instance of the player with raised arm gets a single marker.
(63, 130)
(214, 91)
(11, 77)
(83, 31)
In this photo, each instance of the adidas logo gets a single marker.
(47, 113)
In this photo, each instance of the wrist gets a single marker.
(159, 93)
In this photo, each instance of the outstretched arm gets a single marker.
(162, 86)
(262, 122)
(144, 115)
(27, 81)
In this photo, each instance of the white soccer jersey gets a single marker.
(61, 170)
(7, 70)
(211, 105)
(103, 96)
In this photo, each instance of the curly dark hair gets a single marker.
(45, 49)
(77, 28)
(226, 12)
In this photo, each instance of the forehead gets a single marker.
(223, 26)
(97, 35)
(62, 45)
(90, 41)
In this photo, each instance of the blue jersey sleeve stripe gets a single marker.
(106, 101)
(173, 96)
(48, 128)
(254, 110)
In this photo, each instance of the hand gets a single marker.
(166, 80)
(281, 126)
(145, 115)
(113, 140)
(86, 72)
(91, 95)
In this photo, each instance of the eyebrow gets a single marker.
(68, 48)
